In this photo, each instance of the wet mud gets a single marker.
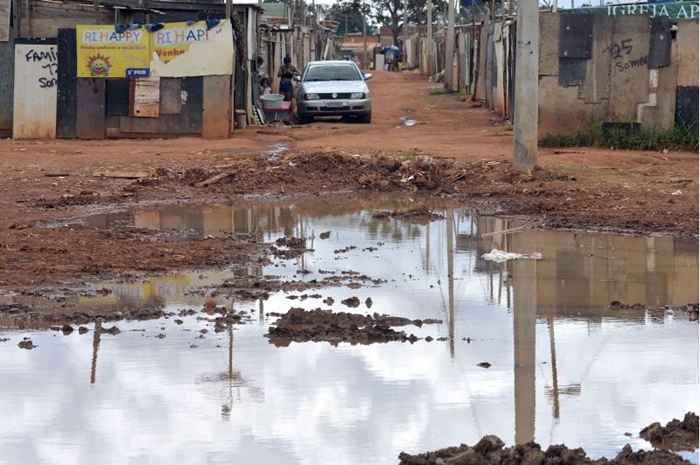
(490, 450)
(299, 325)
(676, 435)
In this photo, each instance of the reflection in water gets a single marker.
(97, 334)
(611, 370)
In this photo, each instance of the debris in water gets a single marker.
(113, 330)
(351, 302)
(676, 435)
(325, 235)
(82, 330)
(26, 344)
(499, 256)
(484, 365)
(66, 329)
(299, 325)
(368, 302)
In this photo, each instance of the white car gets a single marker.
(333, 88)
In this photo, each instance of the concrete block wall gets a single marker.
(619, 83)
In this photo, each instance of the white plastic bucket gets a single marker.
(272, 101)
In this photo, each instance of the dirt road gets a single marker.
(41, 180)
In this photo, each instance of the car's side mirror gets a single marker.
(368, 76)
(297, 79)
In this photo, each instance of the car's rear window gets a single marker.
(332, 73)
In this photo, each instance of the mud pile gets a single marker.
(676, 435)
(299, 325)
(309, 171)
(45, 315)
(490, 450)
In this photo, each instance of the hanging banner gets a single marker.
(104, 53)
(192, 49)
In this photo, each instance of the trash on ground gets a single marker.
(500, 256)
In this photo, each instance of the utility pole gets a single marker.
(405, 31)
(450, 45)
(430, 37)
(229, 7)
(365, 61)
(527, 57)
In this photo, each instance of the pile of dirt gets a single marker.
(676, 435)
(299, 325)
(45, 315)
(490, 450)
(304, 172)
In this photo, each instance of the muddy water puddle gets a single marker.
(564, 367)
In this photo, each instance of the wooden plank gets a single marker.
(91, 108)
(34, 113)
(216, 107)
(67, 110)
(144, 97)
(170, 96)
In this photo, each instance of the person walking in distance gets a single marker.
(286, 74)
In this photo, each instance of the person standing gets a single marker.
(286, 75)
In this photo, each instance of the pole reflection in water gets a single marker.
(524, 319)
(95, 348)
(451, 279)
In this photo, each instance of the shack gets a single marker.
(125, 68)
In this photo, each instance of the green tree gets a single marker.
(389, 13)
(350, 15)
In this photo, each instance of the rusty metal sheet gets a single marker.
(67, 85)
(575, 35)
(660, 43)
(90, 122)
(117, 97)
(572, 71)
(216, 107)
(170, 96)
(144, 97)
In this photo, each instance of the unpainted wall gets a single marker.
(620, 81)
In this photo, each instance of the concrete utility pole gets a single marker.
(527, 57)
(365, 61)
(430, 38)
(229, 7)
(450, 46)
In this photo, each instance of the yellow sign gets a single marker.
(182, 49)
(105, 53)
(175, 39)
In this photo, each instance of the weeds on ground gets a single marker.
(678, 138)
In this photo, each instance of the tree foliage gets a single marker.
(350, 15)
(389, 13)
